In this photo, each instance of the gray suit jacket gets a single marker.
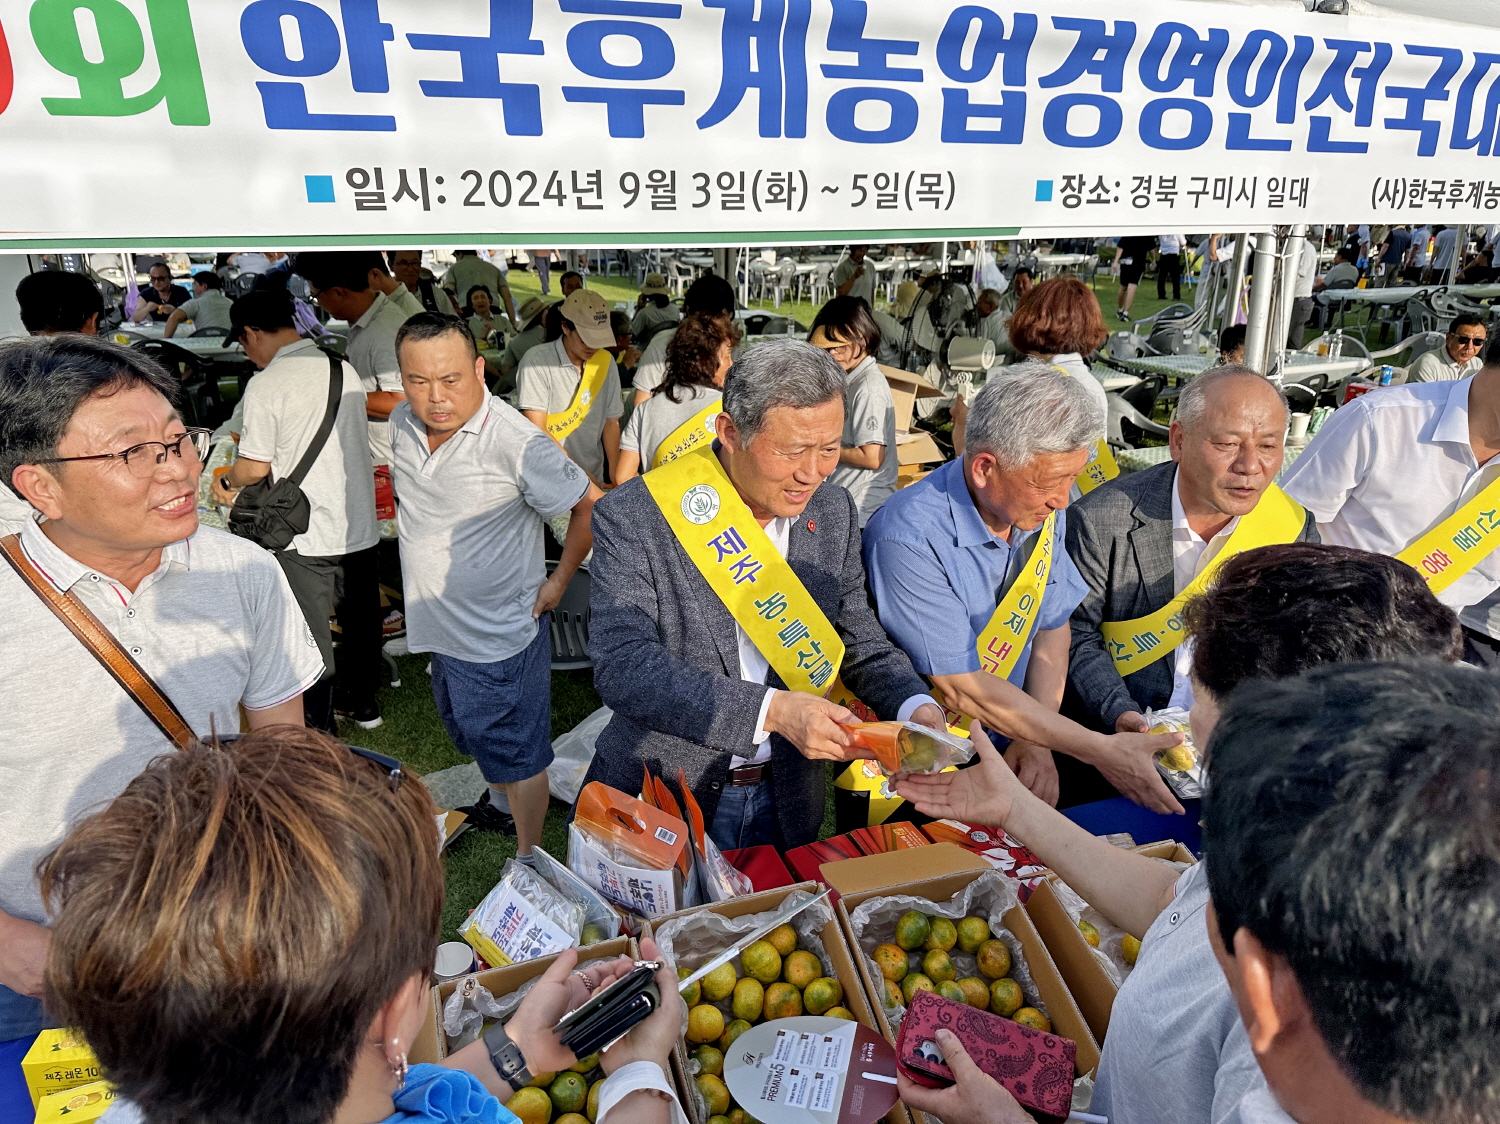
(1120, 538)
(667, 663)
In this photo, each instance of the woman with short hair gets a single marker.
(480, 305)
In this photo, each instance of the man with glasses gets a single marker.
(160, 296)
(90, 438)
(1458, 358)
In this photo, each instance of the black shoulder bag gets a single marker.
(273, 514)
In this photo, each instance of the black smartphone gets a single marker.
(612, 1011)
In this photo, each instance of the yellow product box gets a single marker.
(58, 1060)
(75, 1106)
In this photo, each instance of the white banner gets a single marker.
(208, 123)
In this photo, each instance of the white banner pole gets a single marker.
(1258, 317)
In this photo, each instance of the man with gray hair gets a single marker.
(729, 600)
(1147, 542)
(980, 542)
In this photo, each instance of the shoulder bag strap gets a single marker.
(330, 414)
(102, 646)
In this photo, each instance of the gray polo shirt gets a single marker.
(211, 310)
(520, 344)
(466, 272)
(651, 371)
(864, 286)
(372, 350)
(470, 522)
(657, 418)
(284, 405)
(869, 419)
(547, 380)
(1438, 366)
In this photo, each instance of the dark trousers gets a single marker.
(1169, 266)
(1302, 310)
(346, 586)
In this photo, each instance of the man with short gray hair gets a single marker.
(1148, 541)
(980, 541)
(729, 599)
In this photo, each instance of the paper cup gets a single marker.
(454, 959)
(1299, 426)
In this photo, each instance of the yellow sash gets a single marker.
(697, 432)
(1101, 468)
(1277, 518)
(1459, 543)
(747, 573)
(595, 371)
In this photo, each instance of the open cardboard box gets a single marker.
(1080, 968)
(844, 970)
(906, 388)
(938, 873)
(431, 1044)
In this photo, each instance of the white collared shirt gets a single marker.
(1438, 366)
(1190, 554)
(372, 351)
(1390, 466)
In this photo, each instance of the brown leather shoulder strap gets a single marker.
(102, 646)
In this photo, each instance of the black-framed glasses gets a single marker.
(144, 459)
(1470, 341)
(395, 773)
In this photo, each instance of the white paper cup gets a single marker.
(454, 959)
(1299, 426)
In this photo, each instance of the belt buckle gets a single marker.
(747, 775)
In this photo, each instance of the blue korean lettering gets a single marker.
(990, 44)
(846, 34)
(1057, 129)
(1251, 92)
(778, 39)
(285, 103)
(1463, 113)
(625, 106)
(744, 569)
(1096, 51)
(1191, 59)
(726, 544)
(510, 34)
(1153, 113)
(1334, 86)
(1417, 97)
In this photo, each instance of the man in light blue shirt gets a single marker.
(947, 549)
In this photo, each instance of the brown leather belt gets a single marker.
(749, 775)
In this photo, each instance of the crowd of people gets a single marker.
(243, 928)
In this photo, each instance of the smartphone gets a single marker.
(612, 1011)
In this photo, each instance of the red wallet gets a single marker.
(1036, 1068)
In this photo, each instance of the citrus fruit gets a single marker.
(783, 939)
(941, 934)
(976, 992)
(1030, 1016)
(731, 1032)
(592, 934)
(783, 1001)
(1006, 997)
(914, 983)
(839, 1013)
(715, 1093)
(891, 960)
(718, 1120)
(710, 1059)
(719, 983)
(738, 1116)
(1090, 933)
(892, 993)
(972, 932)
(705, 1023)
(1180, 758)
(994, 959)
(542, 1080)
(749, 999)
(912, 929)
(822, 994)
(693, 994)
(762, 962)
(937, 966)
(1130, 948)
(950, 990)
(531, 1106)
(586, 1064)
(569, 1092)
(801, 969)
(572, 1118)
(592, 1107)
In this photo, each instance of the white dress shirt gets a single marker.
(1390, 466)
(1190, 554)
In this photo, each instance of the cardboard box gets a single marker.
(844, 970)
(58, 1060)
(906, 388)
(78, 1105)
(906, 479)
(916, 448)
(431, 1045)
(1169, 849)
(938, 873)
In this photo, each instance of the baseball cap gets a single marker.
(906, 296)
(529, 311)
(655, 283)
(588, 312)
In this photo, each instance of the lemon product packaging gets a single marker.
(597, 912)
(1182, 765)
(78, 1105)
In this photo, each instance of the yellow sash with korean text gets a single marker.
(746, 571)
(1459, 543)
(695, 433)
(1100, 469)
(595, 371)
(1139, 643)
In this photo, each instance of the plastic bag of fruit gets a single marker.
(1182, 765)
(600, 921)
(903, 748)
(785, 974)
(956, 948)
(1111, 945)
(522, 918)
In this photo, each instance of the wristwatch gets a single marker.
(507, 1058)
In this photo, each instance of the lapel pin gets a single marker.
(811, 526)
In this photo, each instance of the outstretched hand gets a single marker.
(981, 794)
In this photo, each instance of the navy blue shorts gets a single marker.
(500, 714)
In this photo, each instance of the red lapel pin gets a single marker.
(811, 526)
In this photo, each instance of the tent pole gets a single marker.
(1236, 281)
(1290, 263)
(1258, 319)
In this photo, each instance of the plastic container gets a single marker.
(906, 747)
(1181, 766)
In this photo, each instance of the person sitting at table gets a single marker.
(627, 355)
(246, 934)
(54, 301)
(654, 311)
(978, 544)
(479, 303)
(1478, 270)
(209, 307)
(867, 461)
(569, 283)
(1458, 358)
(159, 296)
(533, 331)
(710, 294)
(1147, 541)
(1270, 614)
(412, 286)
(469, 269)
(680, 417)
(1342, 274)
(1232, 346)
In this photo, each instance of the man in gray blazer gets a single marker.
(687, 687)
(1140, 539)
